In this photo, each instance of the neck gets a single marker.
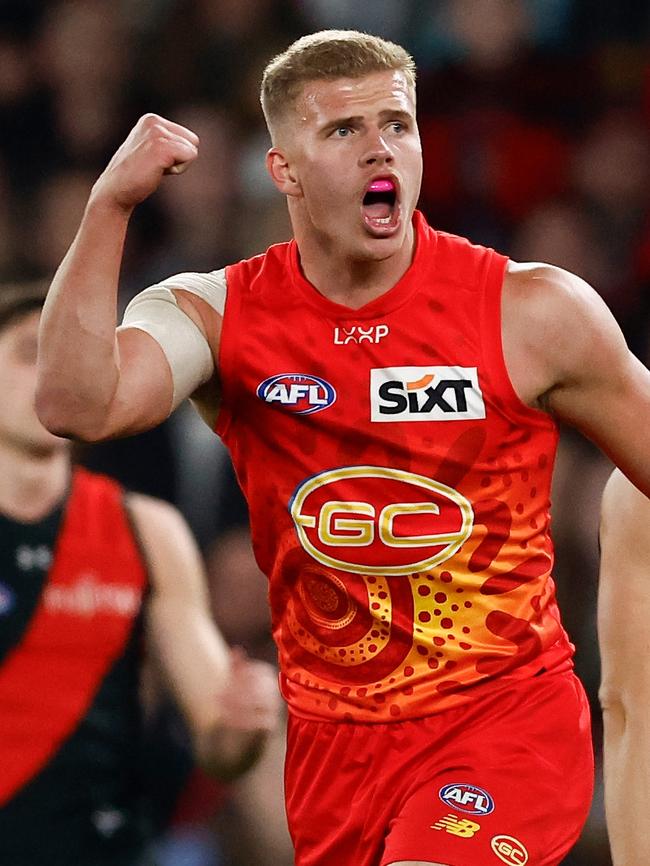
(352, 282)
(32, 485)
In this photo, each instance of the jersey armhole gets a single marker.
(227, 356)
(492, 345)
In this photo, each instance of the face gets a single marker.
(350, 160)
(20, 428)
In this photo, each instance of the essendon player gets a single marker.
(88, 574)
(389, 394)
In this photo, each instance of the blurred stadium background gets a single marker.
(535, 119)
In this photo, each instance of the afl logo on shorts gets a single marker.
(376, 520)
(510, 850)
(467, 798)
(298, 393)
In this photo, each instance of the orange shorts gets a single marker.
(507, 778)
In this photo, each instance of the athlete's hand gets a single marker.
(154, 147)
(249, 710)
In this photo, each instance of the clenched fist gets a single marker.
(154, 147)
(249, 710)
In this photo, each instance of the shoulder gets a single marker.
(211, 287)
(150, 511)
(166, 539)
(254, 273)
(460, 260)
(560, 319)
(545, 288)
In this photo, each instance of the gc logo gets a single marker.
(509, 850)
(376, 520)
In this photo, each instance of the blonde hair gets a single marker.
(328, 54)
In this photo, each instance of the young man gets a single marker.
(388, 395)
(86, 573)
(623, 613)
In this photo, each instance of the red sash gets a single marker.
(78, 630)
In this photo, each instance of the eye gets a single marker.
(343, 131)
(397, 126)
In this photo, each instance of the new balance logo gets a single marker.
(462, 827)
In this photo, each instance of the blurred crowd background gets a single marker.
(535, 120)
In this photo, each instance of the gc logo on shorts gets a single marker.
(510, 850)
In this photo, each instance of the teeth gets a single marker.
(382, 222)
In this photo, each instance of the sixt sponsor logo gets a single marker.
(467, 798)
(299, 393)
(425, 394)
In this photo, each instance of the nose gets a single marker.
(378, 152)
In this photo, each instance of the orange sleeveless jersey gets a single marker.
(398, 488)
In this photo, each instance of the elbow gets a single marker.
(62, 418)
(614, 707)
(609, 697)
(49, 411)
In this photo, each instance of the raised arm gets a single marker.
(567, 355)
(230, 702)
(94, 381)
(623, 616)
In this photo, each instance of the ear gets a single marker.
(282, 174)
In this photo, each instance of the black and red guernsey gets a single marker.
(71, 593)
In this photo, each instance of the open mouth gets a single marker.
(380, 206)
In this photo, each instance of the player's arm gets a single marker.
(96, 382)
(571, 352)
(623, 616)
(231, 703)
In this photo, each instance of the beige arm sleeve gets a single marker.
(156, 311)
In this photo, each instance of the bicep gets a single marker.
(185, 328)
(143, 397)
(601, 388)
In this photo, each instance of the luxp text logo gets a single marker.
(359, 334)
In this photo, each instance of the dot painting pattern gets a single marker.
(377, 647)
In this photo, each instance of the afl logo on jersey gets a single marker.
(377, 520)
(298, 393)
(467, 798)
